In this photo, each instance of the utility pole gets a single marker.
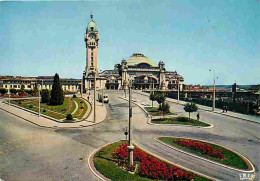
(130, 144)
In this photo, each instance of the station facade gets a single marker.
(138, 69)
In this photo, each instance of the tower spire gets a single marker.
(91, 16)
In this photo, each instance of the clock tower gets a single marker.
(91, 40)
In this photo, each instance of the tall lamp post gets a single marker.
(39, 113)
(178, 81)
(93, 71)
(130, 144)
(9, 93)
(214, 89)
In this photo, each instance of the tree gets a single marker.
(152, 97)
(45, 96)
(160, 98)
(57, 96)
(190, 107)
(35, 91)
(22, 91)
(164, 107)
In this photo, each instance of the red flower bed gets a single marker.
(150, 166)
(201, 147)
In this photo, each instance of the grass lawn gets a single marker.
(230, 158)
(179, 120)
(106, 165)
(59, 111)
(81, 104)
(154, 111)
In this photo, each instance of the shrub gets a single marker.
(19, 102)
(13, 91)
(30, 106)
(44, 110)
(3, 91)
(74, 96)
(69, 117)
(45, 96)
(182, 119)
(26, 91)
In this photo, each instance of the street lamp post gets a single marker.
(178, 90)
(102, 97)
(130, 144)
(95, 97)
(93, 71)
(9, 94)
(214, 89)
(81, 88)
(39, 114)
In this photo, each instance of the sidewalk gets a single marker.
(217, 111)
(48, 123)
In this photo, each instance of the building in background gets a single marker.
(43, 82)
(143, 73)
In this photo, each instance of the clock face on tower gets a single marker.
(92, 36)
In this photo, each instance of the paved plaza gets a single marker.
(32, 152)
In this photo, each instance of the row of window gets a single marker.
(65, 87)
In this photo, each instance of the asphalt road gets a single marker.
(28, 152)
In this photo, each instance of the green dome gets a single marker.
(92, 26)
(138, 58)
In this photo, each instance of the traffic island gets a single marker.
(179, 121)
(209, 151)
(110, 163)
(76, 107)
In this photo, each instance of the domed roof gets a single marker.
(138, 58)
(92, 26)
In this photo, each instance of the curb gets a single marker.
(103, 178)
(25, 119)
(249, 164)
(91, 164)
(55, 127)
(149, 119)
(208, 110)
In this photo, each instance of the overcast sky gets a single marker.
(42, 38)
